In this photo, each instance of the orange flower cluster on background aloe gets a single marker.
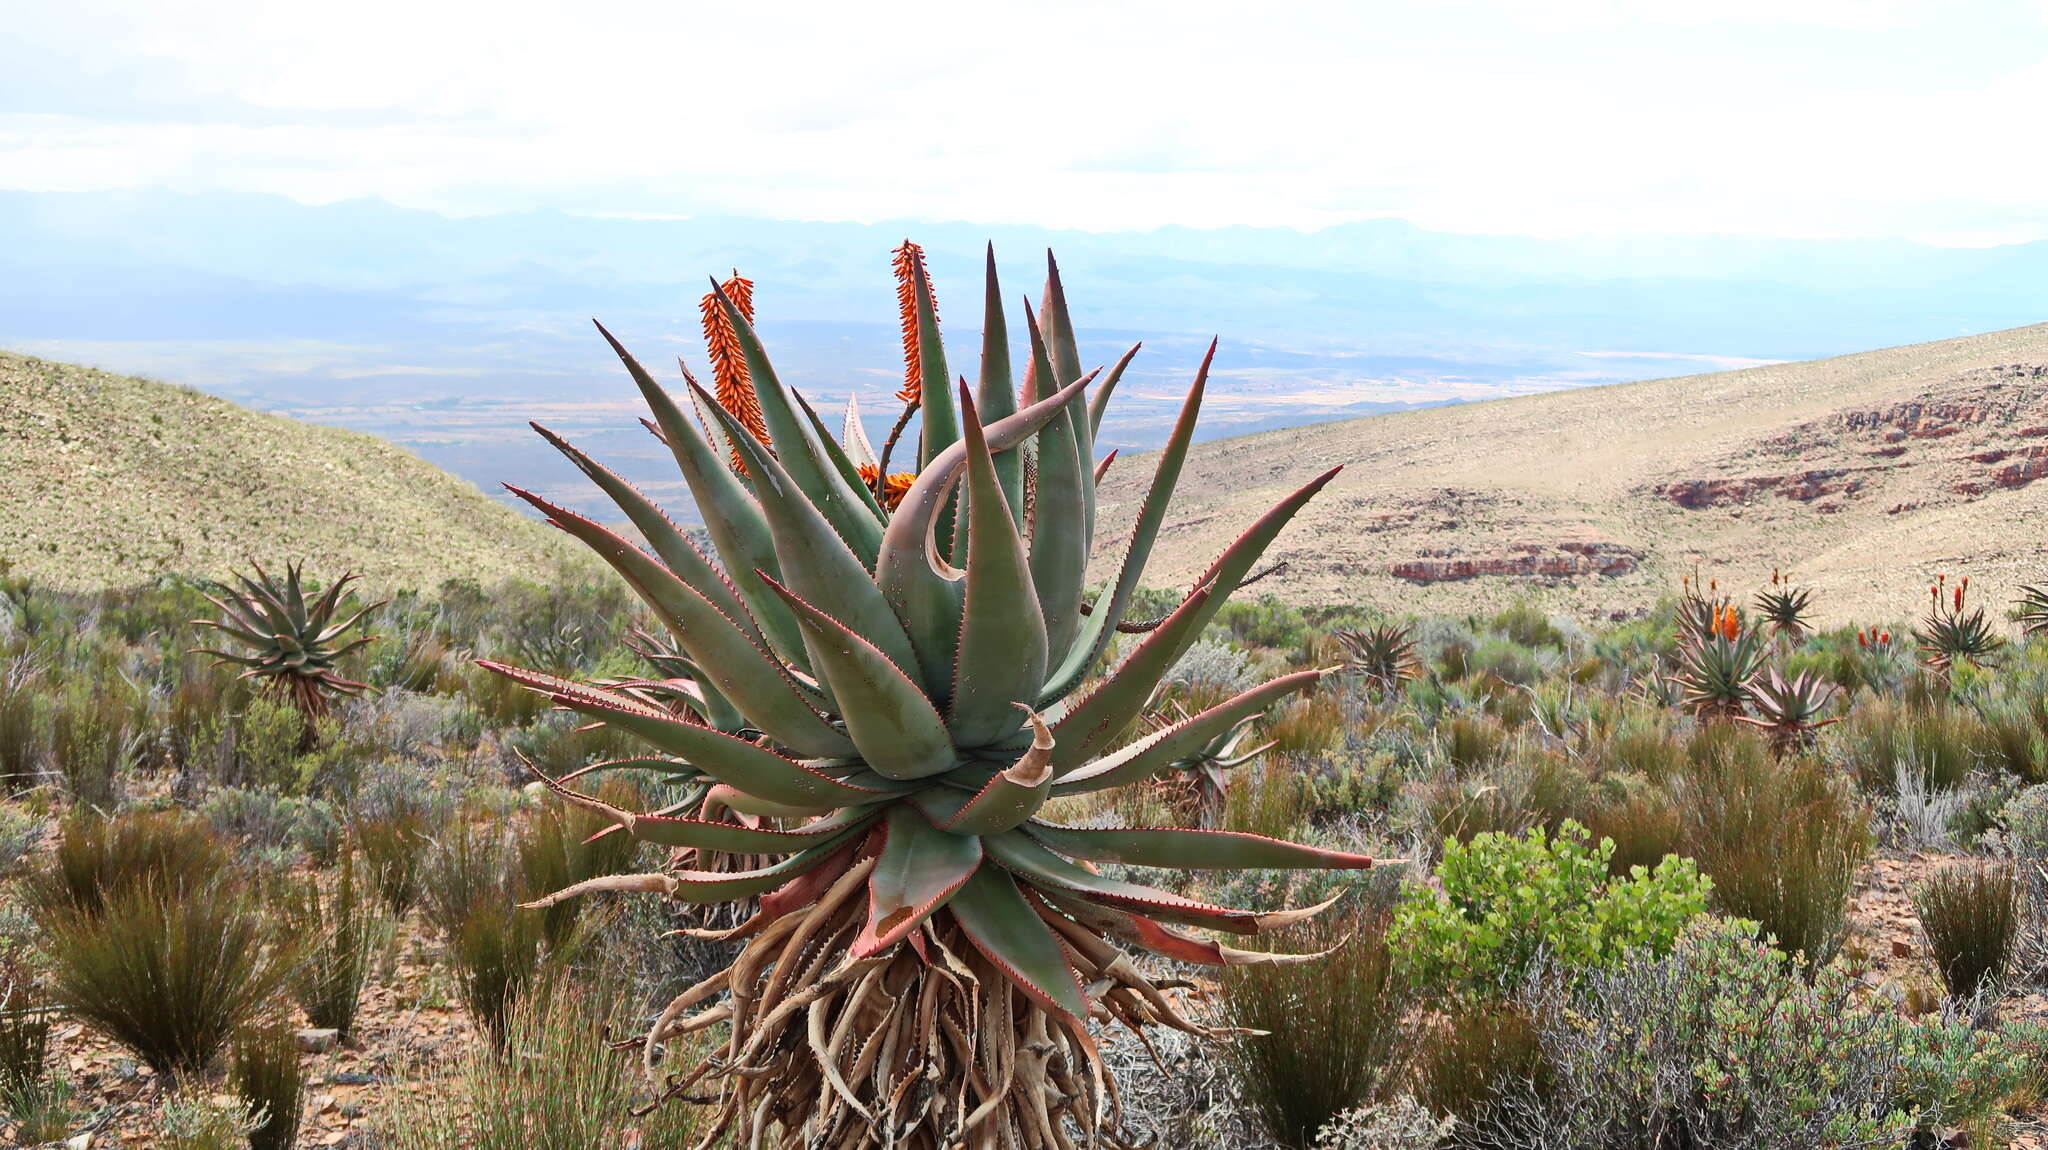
(730, 381)
(908, 261)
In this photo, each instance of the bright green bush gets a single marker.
(1509, 902)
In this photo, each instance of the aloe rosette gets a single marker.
(291, 645)
(888, 700)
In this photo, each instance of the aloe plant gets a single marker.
(1786, 608)
(1383, 657)
(291, 645)
(1789, 710)
(1953, 631)
(2032, 611)
(1718, 664)
(889, 699)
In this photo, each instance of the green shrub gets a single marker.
(269, 734)
(269, 821)
(1955, 1075)
(267, 1075)
(191, 1122)
(557, 1084)
(1334, 1028)
(1641, 820)
(21, 725)
(169, 974)
(1938, 741)
(395, 848)
(554, 853)
(1508, 902)
(1721, 1042)
(97, 856)
(1970, 913)
(340, 936)
(24, 1027)
(1782, 841)
(92, 748)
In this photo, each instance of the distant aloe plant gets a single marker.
(291, 646)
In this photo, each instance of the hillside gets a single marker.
(1863, 475)
(110, 480)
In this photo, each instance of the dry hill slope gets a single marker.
(1863, 475)
(109, 481)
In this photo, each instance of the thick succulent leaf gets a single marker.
(898, 731)
(1008, 932)
(725, 655)
(919, 869)
(925, 592)
(995, 393)
(1160, 749)
(718, 836)
(1033, 862)
(747, 767)
(815, 561)
(1002, 648)
(1013, 795)
(675, 549)
(726, 886)
(738, 529)
(1110, 707)
(798, 448)
(1186, 849)
(1169, 942)
(853, 437)
(1104, 712)
(1095, 633)
(842, 460)
(1059, 516)
(939, 420)
(1100, 402)
(1236, 561)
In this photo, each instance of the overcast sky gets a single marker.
(1568, 117)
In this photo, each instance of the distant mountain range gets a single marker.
(445, 335)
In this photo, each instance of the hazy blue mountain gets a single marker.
(445, 334)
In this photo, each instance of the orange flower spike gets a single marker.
(1959, 597)
(1862, 640)
(1885, 639)
(909, 264)
(731, 383)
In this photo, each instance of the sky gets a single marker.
(1787, 118)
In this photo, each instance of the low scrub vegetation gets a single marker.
(1629, 920)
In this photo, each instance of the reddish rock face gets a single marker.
(1970, 436)
(1544, 562)
(1803, 486)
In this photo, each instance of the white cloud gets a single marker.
(1810, 117)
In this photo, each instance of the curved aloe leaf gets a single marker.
(1002, 647)
(724, 655)
(1033, 862)
(718, 836)
(748, 767)
(1059, 517)
(735, 522)
(1186, 849)
(816, 562)
(1014, 794)
(1144, 757)
(925, 594)
(675, 550)
(1095, 634)
(1004, 928)
(996, 392)
(919, 869)
(898, 732)
(797, 447)
(1100, 402)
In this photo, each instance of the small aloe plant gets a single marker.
(1718, 665)
(291, 644)
(1785, 608)
(1789, 710)
(2032, 612)
(1953, 630)
(884, 700)
(1382, 656)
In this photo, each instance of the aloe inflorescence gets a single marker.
(882, 702)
